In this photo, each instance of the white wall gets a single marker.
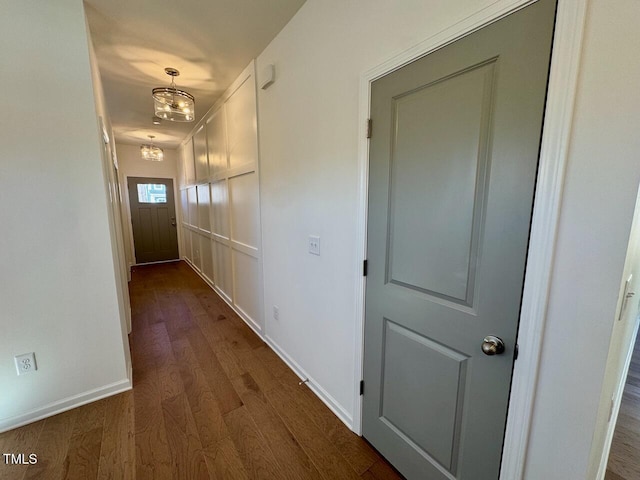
(59, 294)
(114, 207)
(131, 165)
(308, 148)
(599, 198)
(309, 172)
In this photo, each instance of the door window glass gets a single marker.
(152, 193)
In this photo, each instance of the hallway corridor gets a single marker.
(210, 400)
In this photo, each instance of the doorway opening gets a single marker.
(624, 454)
(153, 219)
(616, 445)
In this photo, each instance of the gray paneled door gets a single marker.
(153, 218)
(453, 160)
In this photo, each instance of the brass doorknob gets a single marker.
(492, 345)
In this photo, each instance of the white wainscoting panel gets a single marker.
(195, 246)
(241, 125)
(200, 154)
(207, 257)
(204, 207)
(222, 270)
(189, 167)
(246, 286)
(217, 143)
(221, 214)
(192, 198)
(220, 208)
(243, 195)
(186, 236)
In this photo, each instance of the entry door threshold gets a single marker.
(155, 263)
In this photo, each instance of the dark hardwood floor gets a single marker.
(210, 400)
(624, 457)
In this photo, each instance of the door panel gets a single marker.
(153, 219)
(165, 235)
(435, 255)
(145, 230)
(440, 383)
(453, 160)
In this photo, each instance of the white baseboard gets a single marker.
(173, 260)
(64, 405)
(315, 387)
(241, 313)
(247, 319)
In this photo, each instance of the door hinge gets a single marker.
(364, 268)
(369, 127)
(361, 387)
(516, 350)
(611, 407)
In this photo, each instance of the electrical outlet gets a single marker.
(25, 363)
(276, 312)
(314, 244)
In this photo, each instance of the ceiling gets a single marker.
(209, 41)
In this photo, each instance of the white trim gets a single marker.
(238, 82)
(561, 95)
(66, 404)
(155, 263)
(131, 261)
(315, 387)
(255, 326)
(555, 140)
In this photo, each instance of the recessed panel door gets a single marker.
(153, 218)
(453, 159)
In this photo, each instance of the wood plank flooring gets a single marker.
(210, 400)
(624, 456)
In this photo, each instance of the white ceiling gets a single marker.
(209, 41)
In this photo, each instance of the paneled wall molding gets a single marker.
(219, 200)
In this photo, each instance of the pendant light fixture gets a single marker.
(151, 152)
(173, 104)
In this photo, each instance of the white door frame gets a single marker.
(567, 46)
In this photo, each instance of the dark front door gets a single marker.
(153, 218)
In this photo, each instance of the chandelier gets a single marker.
(173, 104)
(151, 152)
